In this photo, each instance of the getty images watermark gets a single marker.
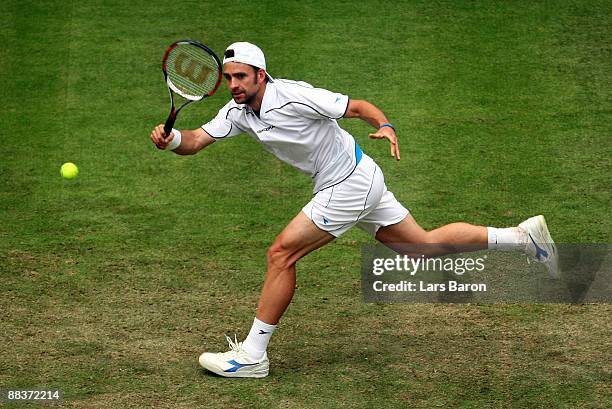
(411, 265)
(485, 276)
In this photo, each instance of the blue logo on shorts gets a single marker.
(325, 221)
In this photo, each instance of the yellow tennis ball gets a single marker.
(69, 170)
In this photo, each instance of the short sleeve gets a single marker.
(319, 103)
(221, 126)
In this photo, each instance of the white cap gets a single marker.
(246, 53)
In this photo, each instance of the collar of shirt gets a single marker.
(268, 100)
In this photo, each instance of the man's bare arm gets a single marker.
(358, 108)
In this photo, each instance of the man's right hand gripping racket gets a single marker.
(192, 71)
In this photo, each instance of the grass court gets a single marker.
(113, 284)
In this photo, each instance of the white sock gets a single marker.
(511, 238)
(257, 341)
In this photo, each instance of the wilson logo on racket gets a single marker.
(187, 67)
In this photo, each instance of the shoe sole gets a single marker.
(218, 371)
(538, 224)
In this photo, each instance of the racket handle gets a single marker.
(170, 122)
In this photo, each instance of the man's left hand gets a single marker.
(389, 133)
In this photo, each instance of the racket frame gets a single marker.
(173, 110)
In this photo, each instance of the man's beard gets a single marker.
(250, 98)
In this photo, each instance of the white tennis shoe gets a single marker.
(235, 363)
(540, 245)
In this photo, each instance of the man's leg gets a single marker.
(249, 359)
(531, 236)
(300, 237)
(451, 238)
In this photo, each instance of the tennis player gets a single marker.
(298, 124)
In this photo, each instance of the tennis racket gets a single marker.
(192, 71)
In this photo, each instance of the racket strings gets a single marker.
(193, 72)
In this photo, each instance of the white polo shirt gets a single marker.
(296, 123)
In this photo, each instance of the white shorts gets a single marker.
(362, 199)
